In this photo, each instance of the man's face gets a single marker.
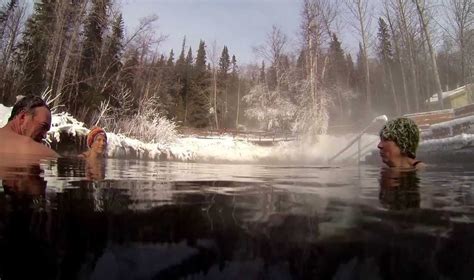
(389, 152)
(36, 125)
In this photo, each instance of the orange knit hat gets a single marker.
(93, 133)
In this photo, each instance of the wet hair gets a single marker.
(27, 104)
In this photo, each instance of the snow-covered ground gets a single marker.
(224, 148)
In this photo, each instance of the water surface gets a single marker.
(166, 220)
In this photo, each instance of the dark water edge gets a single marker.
(133, 228)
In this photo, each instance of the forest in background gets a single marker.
(80, 53)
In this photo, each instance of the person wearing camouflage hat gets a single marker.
(398, 143)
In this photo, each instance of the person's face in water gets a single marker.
(100, 144)
(37, 124)
(389, 152)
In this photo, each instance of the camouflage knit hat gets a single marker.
(404, 132)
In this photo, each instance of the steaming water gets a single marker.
(165, 220)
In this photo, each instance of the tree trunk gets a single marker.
(363, 33)
(399, 60)
(214, 80)
(12, 40)
(424, 26)
(392, 88)
(409, 42)
(238, 106)
(69, 50)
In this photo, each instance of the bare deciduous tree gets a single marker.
(273, 49)
(398, 55)
(423, 17)
(459, 15)
(214, 58)
(361, 11)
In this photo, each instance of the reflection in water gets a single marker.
(25, 224)
(228, 229)
(95, 168)
(399, 189)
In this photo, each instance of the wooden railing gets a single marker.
(255, 136)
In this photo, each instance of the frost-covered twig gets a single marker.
(47, 96)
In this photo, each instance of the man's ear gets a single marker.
(22, 117)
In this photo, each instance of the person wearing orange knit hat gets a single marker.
(97, 144)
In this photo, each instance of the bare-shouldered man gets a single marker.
(27, 126)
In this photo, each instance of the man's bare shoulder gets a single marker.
(42, 150)
(12, 143)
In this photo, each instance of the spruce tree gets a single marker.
(181, 80)
(337, 69)
(129, 70)
(224, 64)
(172, 87)
(112, 59)
(223, 84)
(170, 62)
(385, 51)
(91, 52)
(33, 50)
(233, 93)
(93, 37)
(199, 107)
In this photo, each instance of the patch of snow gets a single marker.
(239, 150)
(446, 94)
(447, 144)
(5, 113)
(450, 124)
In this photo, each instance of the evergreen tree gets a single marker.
(93, 37)
(234, 97)
(170, 62)
(129, 70)
(385, 54)
(181, 79)
(224, 64)
(189, 58)
(199, 107)
(234, 65)
(351, 81)
(200, 66)
(91, 53)
(172, 98)
(385, 51)
(337, 68)
(223, 85)
(336, 78)
(33, 50)
(111, 60)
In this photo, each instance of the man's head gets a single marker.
(32, 117)
(399, 137)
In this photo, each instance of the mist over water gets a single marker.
(172, 220)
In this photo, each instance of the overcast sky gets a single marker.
(239, 24)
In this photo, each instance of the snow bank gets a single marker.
(209, 149)
(230, 149)
(447, 144)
